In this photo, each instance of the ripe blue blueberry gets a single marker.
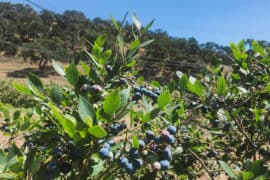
(167, 154)
(123, 162)
(164, 165)
(130, 168)
(111, 142)
(137, 163)
(170, 139)
(141, 143)
(137, 89)
(85, 88)
(150, 135)
(104, 153)
(107, 145)
(123, 80)
(172, 129)
(134, 153)
(108, 68)
(137, 96)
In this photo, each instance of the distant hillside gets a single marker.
(42, 36)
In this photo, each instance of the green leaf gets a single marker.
(58, 68)
(246, 175)
(99, 167)
(195, 87)
(21, 88)
(236, 52)
(148, 26)
(106, 56)
(258, 48)
(72, 74)
(131, 63)
(136, 21)
(97, 131)
(35, 81)
(56, 94)
(146, 43)
(112, 102)
(3, 161)
(68, 126)
(164, 99)
(13, 161)
(150, 115)
(85, 68)
(124, 95)
(227, 169)
(135, 142)
(257, 167)
(100, 41)
(86, 111)
(134, 44)
(183, 81)
(6, 176)
(222, 88)
(116, 26)
(92, 58)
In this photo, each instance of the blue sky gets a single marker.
(221, 21)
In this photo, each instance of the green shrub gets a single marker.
(9, 95)
(111, 125)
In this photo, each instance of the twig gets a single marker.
(202, 163)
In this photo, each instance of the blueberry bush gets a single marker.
(111, 124)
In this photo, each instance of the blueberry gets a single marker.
(137, 96)
(137, 163)
(111, 142)
(227, 126)
(172, 129)
(130, 168)
(142, 143)
(65, 167)
(167, 154)
(150, 135)
(85, 88)
(148, 93)
(137, 89)
(108, 68)
(52, 165)
(164, 165)
(123, 80)
(143, 90)
(96, 89)
(6, 149)
(165, 133)
(154, 96)
(134, 153)
(123, 162)
(170, 139)
(104, 153)
(122, 126)
(107, 145)
(114, 129)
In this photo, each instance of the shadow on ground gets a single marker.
(23, 73)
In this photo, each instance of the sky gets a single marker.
(220, 21)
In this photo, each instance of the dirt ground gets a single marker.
(19, 71)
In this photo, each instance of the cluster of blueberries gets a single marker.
(117, 127)
(159, 146)
(142, 90)
(93, 89)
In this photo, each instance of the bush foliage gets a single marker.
(112, 125)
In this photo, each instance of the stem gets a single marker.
(202, 163)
